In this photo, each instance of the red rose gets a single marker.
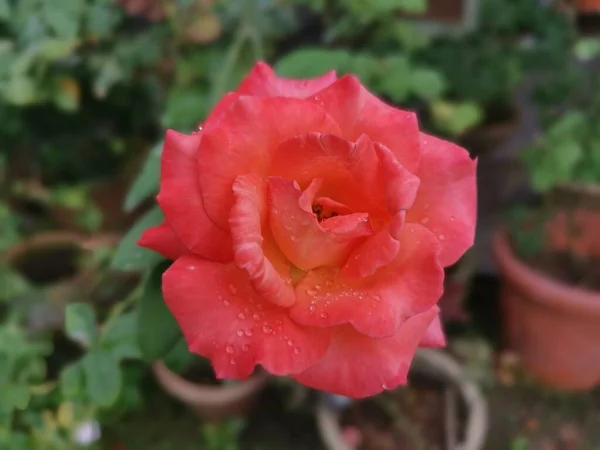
(310, 224)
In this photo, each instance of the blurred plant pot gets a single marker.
(208, 401)
(457, 282)
(445, 11)
(459, 392)
(587, 6)
(552, 326)
(574, 227)
(494, 132)
(52, 264)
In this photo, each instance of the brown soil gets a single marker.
(568, 268)
(410, 418)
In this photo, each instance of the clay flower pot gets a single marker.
(211, 402)
(588, 6)
(433, 364)
(553, 327)
(486, 137)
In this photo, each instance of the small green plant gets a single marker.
(223, 436)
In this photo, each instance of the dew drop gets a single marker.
(426, 206)
(241, 316)
(232, 362)
(226, 302)
(293, 238)
(424, 220)
(245, 347)
(312, 307)
(323, 315)
(267, 329)
(220, 297)
(260, 306)
(385, 386)
(229, 349)
(311, 292)
(290, 342)
(279, 322)
(318, 287)
(248, 332)
(376, 297)
(442, 237)
(255, 316)
(296, 185)
(297, 350)
(231, 288)
(452, 218)
(329, 283)
(240, 333)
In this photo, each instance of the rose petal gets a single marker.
(377, 305)
(434, 336)
(247, 220)
(349, 170)
(357, 112)
(447, 199)
(262, 81)
(303, 240)
(358, 366)
(223, 319)
(162, 239)
(244, 139)
(181, 200)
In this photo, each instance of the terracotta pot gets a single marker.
(553, 327)
(440, 366)
(588, 6)
(211, 402)
(51, 263)
(574, 227)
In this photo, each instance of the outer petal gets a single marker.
(357, 112)
(223, 319)
(262, 81)
(181, 200)
(243, 140)
(304, 241)
(447, 199)
(358, 366)
(162, 239)
(376, 252)
(247, 220)
(377, 305)
(434, 336)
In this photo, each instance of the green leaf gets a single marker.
(120, 337)
(80, 323)
(21, 91)
(102, 376)
(395, 78)
(18, 396)
(71, 380)
(130, 256)
(427, 84)
(413, 6)
(4, 10)
(158, 332)
(179, 358)
(147, 181)
(306, 63)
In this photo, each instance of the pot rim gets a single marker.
(540, 287)
(43, 239)
(199, 394)
(434, 363)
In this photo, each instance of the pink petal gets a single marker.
(304, 241)
(447, 199)
(376, 252)
(247, 220)
(223, 319)
(243, 141)
(377, 305)
(180, 199)
(262, 81)
(162, 239)
(358, 366)
(357, 112)
(349, 170)
(434, 336)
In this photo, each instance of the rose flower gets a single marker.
(310, 224)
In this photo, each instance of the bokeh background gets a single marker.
(87, 90)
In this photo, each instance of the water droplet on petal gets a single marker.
(424, 220)
(231, 288)
(232, 362)
(229, 349)
(318, 287)
(220, 297)
(296, 185)
(311, 292)
(267, 329)
(245, 347)
(376, 297)
(293, 238)
(452, 218)
(329, 283)
(442, 237)
(312, 307)
(290, 342)
(279, 322)
(241, 316)
(323, 315)
(226, 302)
(297, 350)
(248, 332)
(255, 316)
(240, 332)
(384, 386)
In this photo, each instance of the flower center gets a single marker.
(323, 213)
